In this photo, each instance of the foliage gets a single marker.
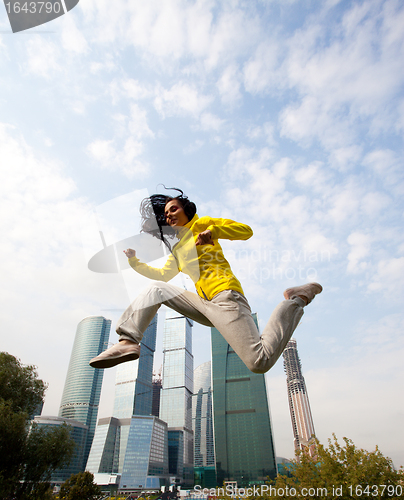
(28, 453)
(20, 384)
(342, 472)
(80, 486)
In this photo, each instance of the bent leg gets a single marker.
(137, 317)
(279, 330)
(232, 317)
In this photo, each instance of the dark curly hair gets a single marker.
(153, 219)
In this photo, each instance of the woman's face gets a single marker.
(175, 215)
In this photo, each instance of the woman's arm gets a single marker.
(167, 272)
(226, 229)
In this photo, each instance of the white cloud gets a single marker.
(345, 158)
(193, 147)
(127, 159)
(125, 152)
(360, 249)
(261, 70)
(348, 78)
(344, 202)
(229, 85)
(138, 126)
(72, 38)
(210, 121)
(314, 176)
(43, 57)
(182, 99)
(389, 278)
(386, 165)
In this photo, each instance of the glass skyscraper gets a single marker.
(243, 436)
(146, 458)
(133, 383)
(141, 457)
(78, 432)
(299, 406)
(131, 442)
(202, 425)
(81, 394)
(176, 394)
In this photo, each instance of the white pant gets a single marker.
(228, 311)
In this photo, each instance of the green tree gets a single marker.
(28, 453)
(339, 472)
(80, 486)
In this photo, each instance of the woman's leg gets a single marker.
(137, 317)
(231, 315)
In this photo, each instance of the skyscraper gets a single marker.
(243, 436)
(131, 442)
(133, 383)
(78, 432)
(202, 425)
(176, 394)
(300, 413)
(81, 394)
(157, 384)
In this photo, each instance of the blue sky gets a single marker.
(285, 115)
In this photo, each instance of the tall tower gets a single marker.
(133, 382)
(176, 394)
(133, 396)
(81, 394)
(157, 384)
(243, 436)
(202, 425)
(300, 413)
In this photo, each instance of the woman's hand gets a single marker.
(205, 238)
(129, 253)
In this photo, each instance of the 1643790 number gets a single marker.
(33, 7)
(376, 490)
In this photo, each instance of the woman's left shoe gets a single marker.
(305, 292)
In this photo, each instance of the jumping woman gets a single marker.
(219, 302)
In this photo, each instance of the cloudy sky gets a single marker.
(286, 115)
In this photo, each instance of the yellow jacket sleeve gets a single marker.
(227, 229)
(166, 273)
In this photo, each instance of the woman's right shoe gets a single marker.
(118, 353)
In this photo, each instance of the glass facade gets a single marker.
(133, 396)
(243, 436)
(79, 435)
(105, 452)
(81, 394)
(176, 393)
(202, 425)
(146, 458)
(157, 383)
(133, 384)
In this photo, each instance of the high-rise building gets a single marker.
(202, 425)
(133, 382)
(122, 443)
(141, 457)
(78, 432)
(157, 385)
(300, 413)
(146, 466)
(81, 394)
(244, 445)
(176, 395)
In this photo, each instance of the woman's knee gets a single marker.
(261, 365)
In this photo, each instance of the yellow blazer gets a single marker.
(205, 264)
